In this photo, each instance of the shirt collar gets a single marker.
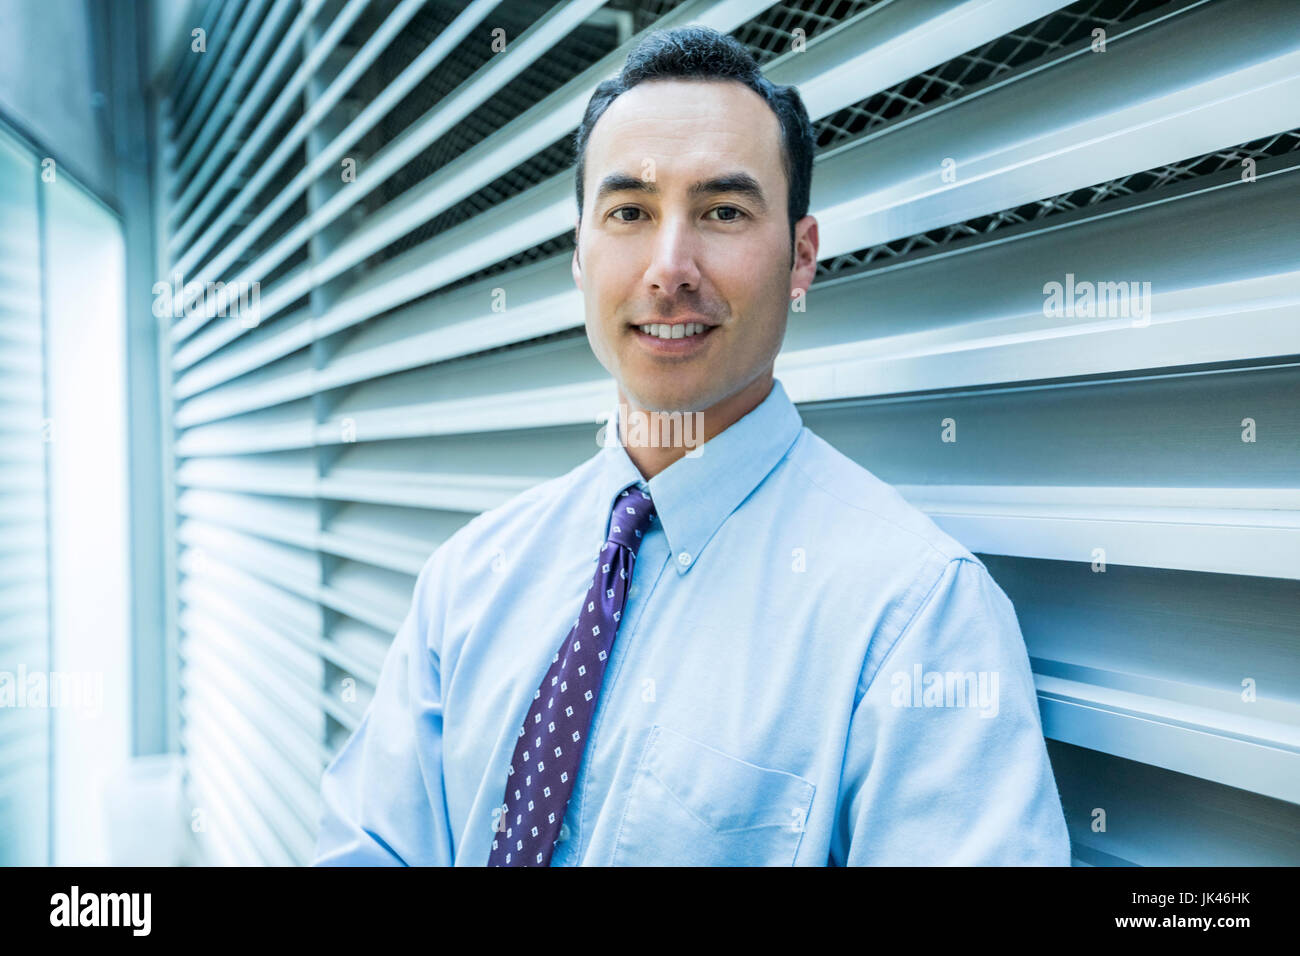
(694, 495)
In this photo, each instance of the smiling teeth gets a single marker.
(679, 331)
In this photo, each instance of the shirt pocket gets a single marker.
(693, 805)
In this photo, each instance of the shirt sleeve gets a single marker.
(946, 762)
(382, 801)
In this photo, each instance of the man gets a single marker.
(775, 660)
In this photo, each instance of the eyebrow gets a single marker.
(737, 182)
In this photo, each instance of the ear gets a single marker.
(805, 255)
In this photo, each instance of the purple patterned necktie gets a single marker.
(554, 734)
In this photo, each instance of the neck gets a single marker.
(660, 438)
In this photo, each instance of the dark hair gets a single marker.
(704, 53)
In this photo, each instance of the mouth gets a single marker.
(674, 330)
(673, 338)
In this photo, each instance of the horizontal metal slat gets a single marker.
(1189, 740)
(365, 647)
(397, 550)
(1250, 531)
(292, 521)
(371, 594)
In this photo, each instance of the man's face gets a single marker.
(651, 249)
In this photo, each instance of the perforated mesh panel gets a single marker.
(1122, 186)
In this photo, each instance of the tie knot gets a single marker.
(631, 518)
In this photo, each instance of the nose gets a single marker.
(673, 267)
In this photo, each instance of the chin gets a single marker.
(662, 397)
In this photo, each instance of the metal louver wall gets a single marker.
(970, 154)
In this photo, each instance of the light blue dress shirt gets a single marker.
(808, 672)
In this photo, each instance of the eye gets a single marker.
(739, 213)
(620, 209)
